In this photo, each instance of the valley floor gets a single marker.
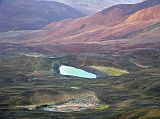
(30, 87)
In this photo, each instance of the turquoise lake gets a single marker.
(72, 71)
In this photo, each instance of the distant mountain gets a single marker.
(32, 14)
(94, 6)
(109, 24)
(120, 27)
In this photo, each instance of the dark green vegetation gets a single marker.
(27, 82)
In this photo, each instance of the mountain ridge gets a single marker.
(91, 7)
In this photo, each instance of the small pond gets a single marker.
(72, 71)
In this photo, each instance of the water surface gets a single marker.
(72, 71)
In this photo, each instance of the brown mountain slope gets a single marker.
(104, 26)
(120, 27)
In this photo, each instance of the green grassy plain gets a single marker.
(110, 71)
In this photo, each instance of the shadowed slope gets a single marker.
(32, 14)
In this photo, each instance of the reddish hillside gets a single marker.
(106, 25)
(120, 27)
(146, 15)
